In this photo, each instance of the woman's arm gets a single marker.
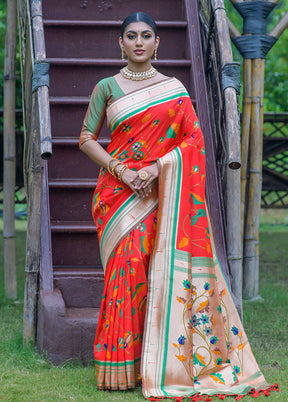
(131, 178)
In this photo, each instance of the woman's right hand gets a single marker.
(129, 178)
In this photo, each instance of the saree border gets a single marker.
(133, 211)
(133, 104)
(162, 254)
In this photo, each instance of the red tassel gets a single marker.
(275, 387)
(206, 398)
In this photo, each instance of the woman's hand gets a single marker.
(127, 178)
(144, 187)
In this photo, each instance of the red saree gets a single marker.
(186, 327)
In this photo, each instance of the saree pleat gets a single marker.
(118, 340)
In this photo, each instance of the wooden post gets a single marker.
(251, 234)
(39, 142)
(234, 250)
(246, 116)
(9, 156)
(35, 174)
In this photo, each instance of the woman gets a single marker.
(151, 219)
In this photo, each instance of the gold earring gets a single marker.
(123, 55)
(155, 54)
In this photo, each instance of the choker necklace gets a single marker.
(134, 76)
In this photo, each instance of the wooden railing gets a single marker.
(38, 146)
(275, 161)
(225, 120)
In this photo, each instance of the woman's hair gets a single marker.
(138, 17)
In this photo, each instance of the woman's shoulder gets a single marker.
(105, 82)
(104, 88)
(176, 82)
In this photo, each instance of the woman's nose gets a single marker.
(138, 40)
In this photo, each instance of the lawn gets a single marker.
(26, 376)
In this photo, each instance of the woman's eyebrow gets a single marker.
(134, 32)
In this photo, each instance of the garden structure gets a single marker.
(64, 277)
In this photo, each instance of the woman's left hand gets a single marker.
(144, 187)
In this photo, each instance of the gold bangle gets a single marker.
(113, 168)
(121, 171)
(108, 166)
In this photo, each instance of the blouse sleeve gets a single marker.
(94, 117)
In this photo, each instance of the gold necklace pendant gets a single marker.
(138, 76)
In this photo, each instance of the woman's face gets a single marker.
(139, 42)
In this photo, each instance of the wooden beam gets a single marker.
(236, 1)
(280, 27)
(9, 152)
(233, 216)
(233, 31)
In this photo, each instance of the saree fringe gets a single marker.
(198, 397)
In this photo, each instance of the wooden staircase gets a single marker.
(82, 47)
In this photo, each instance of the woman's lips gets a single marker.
(139, 51)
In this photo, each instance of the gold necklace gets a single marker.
(134, 76)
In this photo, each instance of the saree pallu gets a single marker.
(192, 341)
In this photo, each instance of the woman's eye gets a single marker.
(131, 37)
(147, 36)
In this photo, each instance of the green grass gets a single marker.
(27, 376)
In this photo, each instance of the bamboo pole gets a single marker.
(233, 31)
(9, 150)
(233, 216)
(43, 91)
(251, 236)
(280, 27)
(246, 116)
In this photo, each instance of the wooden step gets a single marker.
(98, 40)
(69, 162)
(74, 141)
(72, 183)
(113, 62)
(73, 227)
(75, 244)
(66, 75)
(96, 10)
(76, 272)
(112, 23)
(81, 314)
(80, 291)
(71, 200)
(67, 119)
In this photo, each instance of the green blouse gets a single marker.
(104, 93)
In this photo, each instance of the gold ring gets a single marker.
(143, 175)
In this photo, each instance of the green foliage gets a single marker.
(276, 69)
